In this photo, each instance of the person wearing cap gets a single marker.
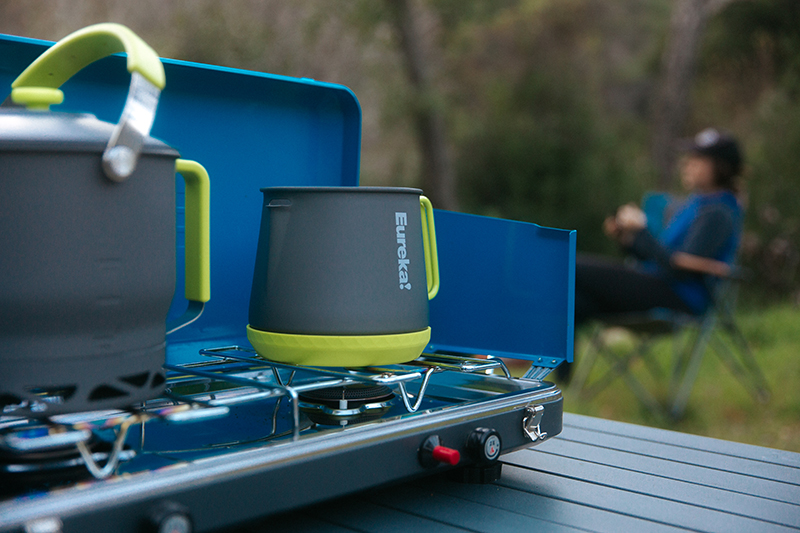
(700, 239)
(676, 269)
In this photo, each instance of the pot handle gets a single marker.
(429, 247)
(38, 86)
(198, 275)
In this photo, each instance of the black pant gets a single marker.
(604, 286)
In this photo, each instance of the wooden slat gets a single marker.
(527, 503)
(362, 514)
(680, 454)
(661, 490)
(733, 481)
(706, 444)
(291, 522)
(633, 504)
(418, 500)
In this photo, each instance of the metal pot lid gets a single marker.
(53, 131)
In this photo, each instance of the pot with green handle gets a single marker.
(87, 210)
(343, 276)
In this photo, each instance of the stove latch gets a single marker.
(432, 453)
(531, 423)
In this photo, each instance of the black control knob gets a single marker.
(484, 445)
(169, 517)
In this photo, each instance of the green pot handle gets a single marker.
(429, 247)
(197, 229)
(198, 271)
(38, 86)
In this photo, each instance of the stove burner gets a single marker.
(339, 406)
(355, 395)
(46, 467)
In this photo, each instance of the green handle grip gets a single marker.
(69, 55)
(198, 270)
(429, 247)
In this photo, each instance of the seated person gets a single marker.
(701, 237)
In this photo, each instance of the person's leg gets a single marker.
(605, 286)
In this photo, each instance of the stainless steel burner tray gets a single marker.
(229, 484)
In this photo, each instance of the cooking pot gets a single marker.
(87, 210)
(343, 276)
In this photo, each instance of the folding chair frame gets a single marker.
(744, 367)
(686, 360)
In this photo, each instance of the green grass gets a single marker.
(719, 405)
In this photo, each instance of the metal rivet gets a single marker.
(44, 525)
(119, 162)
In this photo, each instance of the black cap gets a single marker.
(717, 145)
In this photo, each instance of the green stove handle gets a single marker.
(198, 270)
(429, 247)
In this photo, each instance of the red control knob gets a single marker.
(432, 453)
(446, 455)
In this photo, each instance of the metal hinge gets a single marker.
(537, 373)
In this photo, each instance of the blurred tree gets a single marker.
(535, 140)
(750, 77)
(420, 53)
(672, 103)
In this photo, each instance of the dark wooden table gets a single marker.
(598, 476)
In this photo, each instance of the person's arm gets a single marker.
(701, 265)
(708, 233)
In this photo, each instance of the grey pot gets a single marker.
(88, 253)
(342, 261)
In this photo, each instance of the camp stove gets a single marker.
(249, 434)
(235, 437)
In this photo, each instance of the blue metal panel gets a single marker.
(507, 289)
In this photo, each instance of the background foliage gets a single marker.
(547, 102)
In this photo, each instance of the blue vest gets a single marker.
(695, 292)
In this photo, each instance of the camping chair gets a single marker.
(706, 329)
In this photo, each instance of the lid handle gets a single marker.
(74, 52)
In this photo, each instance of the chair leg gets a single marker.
(586, 361)
(681, 354)
(619, 368)
(746, 370)
(692, 368)
(650, 362)
(644, 396)
(619, 365)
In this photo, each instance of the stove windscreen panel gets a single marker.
(507, 289)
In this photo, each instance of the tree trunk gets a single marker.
(671, 106)
(438, 177)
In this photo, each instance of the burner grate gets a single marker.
(230, 376)
(420, 369)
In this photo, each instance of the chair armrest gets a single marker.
(704, 265)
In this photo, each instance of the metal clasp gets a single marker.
(531, 423)
(129, 135)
